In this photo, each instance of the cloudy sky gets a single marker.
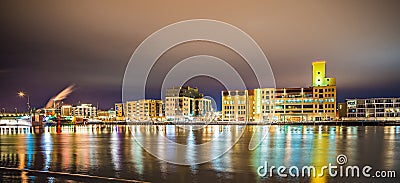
(47, 45)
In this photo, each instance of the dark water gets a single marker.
(112, 152)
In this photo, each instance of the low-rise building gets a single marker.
(296, 104)
(342, 110)
(67, 110)
(145, 109)
(280, 104)
(373, 109)
(85, 111)
(237, 105)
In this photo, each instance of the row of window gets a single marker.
(383, 101)
(302, 111)
(233, 107)
(175, 99)
(322, 90)
(375, 115)
(371, 111)
(378, 105)
(232, 112)
(233, 93)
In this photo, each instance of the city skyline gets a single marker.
(46, 49)
(200, 91)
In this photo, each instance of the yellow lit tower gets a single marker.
(319, 78)
(324, 93)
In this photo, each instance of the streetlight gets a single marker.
(4, 110)
(23, 94)
(16, 110)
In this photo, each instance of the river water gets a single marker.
(113, 151)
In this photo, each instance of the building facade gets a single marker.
(280, 104)
(373, 109)
(318, 75)
(182, 103)
(179, 107)
(85, 111)
(119, 109)
(316, 103)
(237, 105)
(67, 110)
(144, 110)
(342, 110)
(202, 106)
(297, 104)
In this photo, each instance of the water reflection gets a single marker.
(110, 151)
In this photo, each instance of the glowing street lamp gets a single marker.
(22, 94)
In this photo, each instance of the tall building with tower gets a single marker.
(315, 103)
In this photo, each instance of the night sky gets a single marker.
(47, 45)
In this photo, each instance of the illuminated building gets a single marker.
(185, 102)
(85, 111)
(66, 110)
(298, 104)
(319, 78)
(179, 107)
(144, 110)
(373, 109)
(238, 105)
(104, 115)
(202, 106)
(119, 110)
(316, 103)
(51, 111)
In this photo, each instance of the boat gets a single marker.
(94, 121)
(16, 121)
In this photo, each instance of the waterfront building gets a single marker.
(185, 102)
(119, 109)
(342, 110)
(144, 110)
(112, 115)
(106, 115)
(315, 103)
(67, 110)
(373, 109)
(51, 112)
(297, 104)
(202, 106)
(237, 105)
(84, 111)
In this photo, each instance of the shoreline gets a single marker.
(306, 123)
